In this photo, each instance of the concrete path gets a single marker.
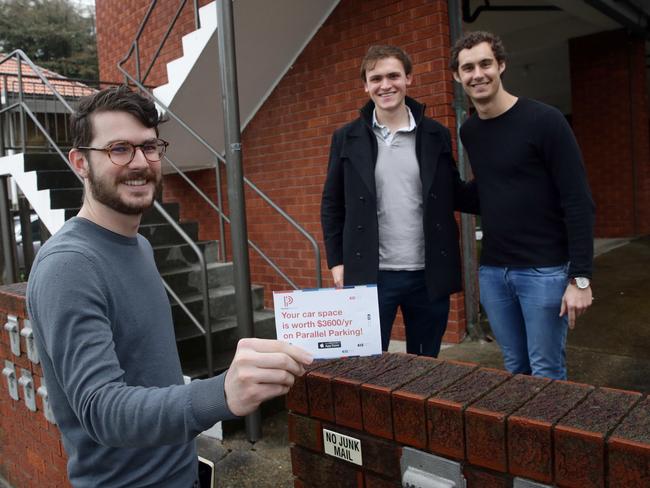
(264, 464)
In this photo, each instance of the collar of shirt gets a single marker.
(384, 132)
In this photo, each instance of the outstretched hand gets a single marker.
(575, 302)
(262, 369)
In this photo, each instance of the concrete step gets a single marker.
(149, 217)
(66, 197)
(166, 234)
(46, 179)
(186, 280)
(192, 351)
(44, 161)
(171, 256)
(222, 303)
(71, 212)
(195, 365)
(263, 320)
(152, 216)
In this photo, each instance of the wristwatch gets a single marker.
(581, 282)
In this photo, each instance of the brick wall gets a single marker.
(286, 144)
(32, 453)
(117, 24)
(610, 120)
(496, 425)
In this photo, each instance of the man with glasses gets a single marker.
(103, 325)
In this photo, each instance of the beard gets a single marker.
(106, 192)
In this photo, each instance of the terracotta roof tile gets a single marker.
(33, 85)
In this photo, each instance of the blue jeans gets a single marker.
(523, 307)
(425, 320)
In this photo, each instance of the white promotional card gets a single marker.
(330, 322)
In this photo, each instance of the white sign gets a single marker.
(330, 322)
(342, 446)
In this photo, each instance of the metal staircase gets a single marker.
(269, 36)
(198, 281)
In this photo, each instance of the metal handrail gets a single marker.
(257, 249)
(139, 82)
(250, 184)
(187, 311)
(135, 45)
(207, 328)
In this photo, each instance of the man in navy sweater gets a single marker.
(103, 324)
(536, 209)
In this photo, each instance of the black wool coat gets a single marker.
(349, 203)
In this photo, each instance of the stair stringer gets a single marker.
(269, 37)
(14, 166)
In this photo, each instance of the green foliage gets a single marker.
(55, 34)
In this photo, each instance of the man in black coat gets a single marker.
(388, 205)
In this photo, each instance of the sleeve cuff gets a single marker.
(209, 401)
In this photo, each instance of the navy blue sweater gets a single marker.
(536, 206)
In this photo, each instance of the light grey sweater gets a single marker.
(104, 332)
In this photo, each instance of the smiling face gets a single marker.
(129, 189)
(386, 84)
(480, 73)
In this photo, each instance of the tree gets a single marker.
(55, 34)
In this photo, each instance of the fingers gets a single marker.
(248, 403)
(572, 317)
(272, 346)
(261, 370)
(270, 361)
(260, 376)
(337, 275)
(575, 302)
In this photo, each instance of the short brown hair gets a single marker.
(471, 39)
(380, 51)
(114, 99)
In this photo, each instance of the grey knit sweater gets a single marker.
(104, 332)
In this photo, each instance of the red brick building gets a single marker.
(587, 61)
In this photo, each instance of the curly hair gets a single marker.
(117, 98)
(471, 39)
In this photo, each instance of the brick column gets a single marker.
(610, 120)
(31, 447)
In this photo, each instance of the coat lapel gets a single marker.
(358, 149)
(431, 145)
